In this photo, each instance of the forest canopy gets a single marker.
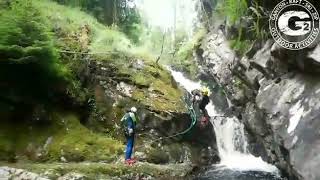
(120, 13)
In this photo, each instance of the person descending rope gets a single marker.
(129, 122)
(202, 98)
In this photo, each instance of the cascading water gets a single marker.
(232, 146)
(231, 141)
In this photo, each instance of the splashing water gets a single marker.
(232, 146)
(231, 141)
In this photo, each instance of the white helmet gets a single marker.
(133, 109)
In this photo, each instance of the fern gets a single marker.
(259, 25)
(235, 9)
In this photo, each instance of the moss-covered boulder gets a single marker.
(61, 138)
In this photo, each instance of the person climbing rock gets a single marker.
(202, 98)
(129, 121)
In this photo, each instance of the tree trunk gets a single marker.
(115, 12)
(174, 24)
(159, 57)
(108, 12)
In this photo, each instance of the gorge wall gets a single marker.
(275, 93)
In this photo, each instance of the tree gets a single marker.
(29, 65)
(112, 13)
(162, 46)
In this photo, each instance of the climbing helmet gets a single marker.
(133, 109)
(205, 91)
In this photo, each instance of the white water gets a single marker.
(231, 140)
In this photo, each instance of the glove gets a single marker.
(130, 131)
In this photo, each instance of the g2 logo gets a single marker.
(295, 23)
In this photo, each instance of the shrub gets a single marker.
(29, 63)
(233, 9)
(184, 55)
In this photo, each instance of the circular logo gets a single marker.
(294, 24)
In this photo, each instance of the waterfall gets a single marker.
(230, 137)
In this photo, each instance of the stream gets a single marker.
(236, 161)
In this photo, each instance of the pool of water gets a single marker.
(215, 173)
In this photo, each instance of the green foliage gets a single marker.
(151, 43)
(257, 30)
(105, 170)
(184, 54)
(4, 4)
(233, 9)
(29, 62)
(240, 46)
(77, 143)
(131, 25)
(112, 12)
(69, 139)
(109, 40)
(260, 24)
(69, 21)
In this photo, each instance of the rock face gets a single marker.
(11, 173)
(276, 95)
(162, 112)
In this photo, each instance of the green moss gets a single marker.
(139, 95)
(141, 80)
(153, 84)
(240, 46)
(170, 98)
(105, 171)
(160, 96)
(70, 139)
(184, 59)
(77, 143)
(6, 142)
(233, 9)
(157, 156)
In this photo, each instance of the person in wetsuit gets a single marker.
(202, 97)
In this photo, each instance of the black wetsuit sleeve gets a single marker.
(204, 102)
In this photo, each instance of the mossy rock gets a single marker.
(157, 156)
(62, 136)
(108, 171)
(76, 143)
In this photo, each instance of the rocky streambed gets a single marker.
(88, 171)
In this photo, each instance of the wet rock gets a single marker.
(63, 159)
(280, 101)
(140, 156)
(157, 156)
(293, 109)
(315, 55)
(12, 173)
(138, 64)
(253, 119)
(73, 176)
(126, 89)
(306, 60)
